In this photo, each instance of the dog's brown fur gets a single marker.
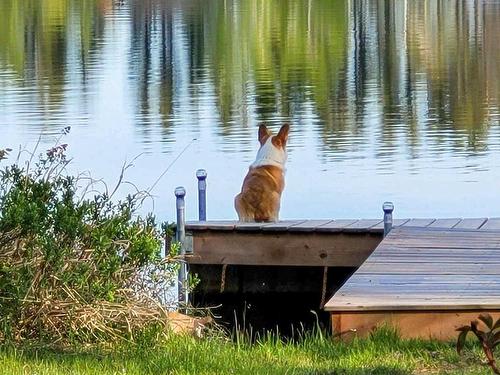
(260, 195)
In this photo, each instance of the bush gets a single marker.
(74, 267)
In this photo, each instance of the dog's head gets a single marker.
(272, 147)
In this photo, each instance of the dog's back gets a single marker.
(260, 195)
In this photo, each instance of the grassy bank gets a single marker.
(382, 354)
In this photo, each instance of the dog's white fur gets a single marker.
(269, 154)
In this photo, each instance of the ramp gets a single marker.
(426, 282)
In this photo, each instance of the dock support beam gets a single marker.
(201, 175)
(388, 207)
(180, 237)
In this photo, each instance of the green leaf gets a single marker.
(496, 325)
(495, 340)
(461, 338)
(483, 337)
(486, 319)
(473, 325)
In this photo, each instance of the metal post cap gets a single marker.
(201, 174)
(180, 191)
(388, 207)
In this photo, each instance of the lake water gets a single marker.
(387, 100)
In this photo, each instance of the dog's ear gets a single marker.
(283, 134)
(264, 133)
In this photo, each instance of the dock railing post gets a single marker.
(201, 175)
(180, 236)
(388, 207)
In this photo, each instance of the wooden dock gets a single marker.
(424, 281)
(411, 279)
(332, 243)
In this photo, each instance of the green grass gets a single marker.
(383, 353)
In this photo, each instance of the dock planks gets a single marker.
(342, 225)
(445, 268)
(332, 243)
(419, 276)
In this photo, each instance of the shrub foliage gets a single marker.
(73, 266)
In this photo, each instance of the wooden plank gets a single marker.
(432, 302)
(280, 226)
(439, 325)
(444, 223)
(249, 227)
(428, 254)
(447, 268)
(443, 298)
(417, 290)
(361, 225)
(379, 228)
(225, 225)
(418, 282)
(454, 243)
(422, 278)
(491, 224)
(197, 225)
(470, 223)
(418, 222)
(423, 232)
(335, 226)
(413, 251)
(426, 268)
(308, 225)
(277, 248)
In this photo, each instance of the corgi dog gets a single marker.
(260, 196)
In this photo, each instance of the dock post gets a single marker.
(388, 207)
(201, 175)
(180, 236)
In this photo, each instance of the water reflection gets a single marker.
(400, 85)
(403, 72)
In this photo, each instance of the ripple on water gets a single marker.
(371, 104)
